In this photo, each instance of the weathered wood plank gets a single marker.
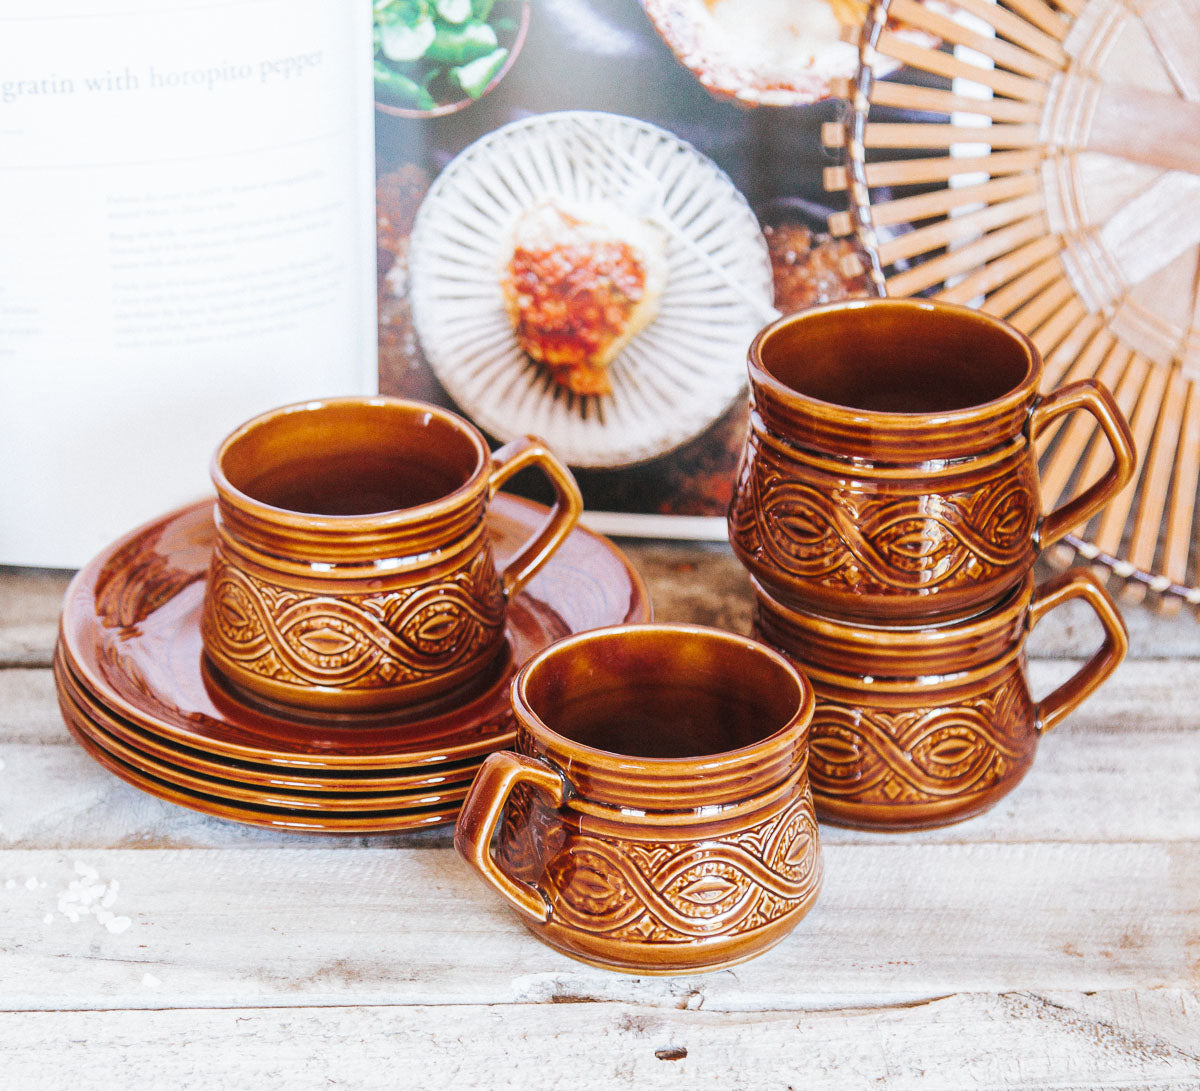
(1125, 767)
(30, 600)
(1014, 1041)
(895, 922)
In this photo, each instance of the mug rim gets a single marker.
(792, 732)
(762, 378)
(430, 511)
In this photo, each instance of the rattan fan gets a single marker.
(1054, 180)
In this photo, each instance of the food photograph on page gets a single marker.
(586, 211)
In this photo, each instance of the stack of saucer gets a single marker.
(136, 691)
(889, 512)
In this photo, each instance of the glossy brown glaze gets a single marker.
(890, 472)
(287, 819)
(153, 754)
(697, 850)
(130, 633)
(352, 568)
(316, 779)
(919, 726)
(292, 797)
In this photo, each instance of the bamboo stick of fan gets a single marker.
(1081, 365)
(914, 172)
(1072, 7)
(1048, 335)
(951, 67)
(1002, 53)
(919, 134)
(1017, 29)
(1042, 16)
(1125, 393)
(1156, 483)
(933, 100)
(1178, 545)
(953, 228)
(937, 202)
(1067, 351)
(967, 257)
(1013, 266)
(1047, 303)
(1111, 528)
(1024, 288)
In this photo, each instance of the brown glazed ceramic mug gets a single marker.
(353, 568)
(890, 470)
(926, 725)
(657, 817)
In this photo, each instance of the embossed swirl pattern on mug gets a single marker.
(681, 891)
(358, 641)
(882, 542)
(926, 755)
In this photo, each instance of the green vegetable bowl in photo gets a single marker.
(435, 57)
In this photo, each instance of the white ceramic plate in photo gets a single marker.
(772, 52)
(675, 377)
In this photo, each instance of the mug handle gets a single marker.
(1079, 583)
(500, 773)
(568, 506)
(1097, 400)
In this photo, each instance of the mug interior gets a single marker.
(644, 693)
(896, 357)
(359, 457)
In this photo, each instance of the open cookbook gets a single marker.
(564, 217)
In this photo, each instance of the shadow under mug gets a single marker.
(922, 726)
(657, 817)
(890, 471)
(353, 568)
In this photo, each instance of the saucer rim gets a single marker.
(311, 802)
(141, 738)
(263, 816)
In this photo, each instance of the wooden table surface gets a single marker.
(1051, 943)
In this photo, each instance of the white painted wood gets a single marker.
(895, 922)
(1017, 1041)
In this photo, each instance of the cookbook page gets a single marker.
(587, 209)
(186, 239)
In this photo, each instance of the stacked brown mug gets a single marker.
(888, 510)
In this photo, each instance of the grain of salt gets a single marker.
(89, 895)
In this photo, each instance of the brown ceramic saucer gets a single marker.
(324, 803)
(82, 717)
(247, 773)
(131, 633)
(281, 818)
